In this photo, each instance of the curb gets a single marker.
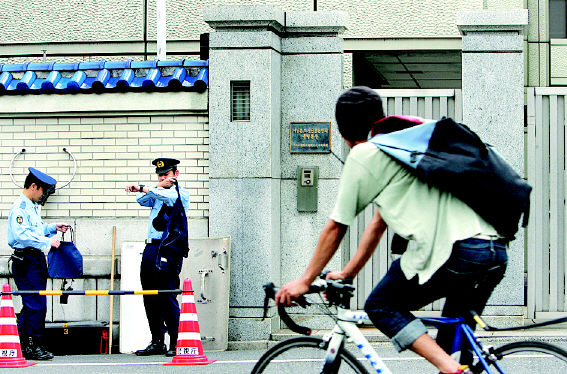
(376, 337)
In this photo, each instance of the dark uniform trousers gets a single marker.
(162, 310)
(31, 274)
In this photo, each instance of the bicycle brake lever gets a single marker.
(270, 290)
(302, 302)
(266, 301)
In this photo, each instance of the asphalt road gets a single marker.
(236, 362)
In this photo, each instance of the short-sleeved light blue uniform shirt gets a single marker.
(25, 227)
(155, 198)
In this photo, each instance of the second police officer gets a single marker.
(162, 310)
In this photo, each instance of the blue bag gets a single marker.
(65, 262)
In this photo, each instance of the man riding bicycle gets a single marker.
(456, 255)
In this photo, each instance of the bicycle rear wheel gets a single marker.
(527, 357)
(304, 355)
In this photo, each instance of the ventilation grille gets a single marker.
(240, 100)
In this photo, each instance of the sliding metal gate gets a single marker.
(547, 108)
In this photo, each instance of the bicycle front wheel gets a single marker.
(527, 357)
(304, 355)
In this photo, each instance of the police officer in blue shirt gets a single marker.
(31, 238)
(162, 310)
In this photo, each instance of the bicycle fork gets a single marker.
(336, 342)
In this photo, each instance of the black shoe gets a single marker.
(172, 351)
(35, 351)
(152, 349)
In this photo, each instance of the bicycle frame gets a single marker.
(463, 332)
(346, 327)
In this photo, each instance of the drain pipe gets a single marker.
(161, 29)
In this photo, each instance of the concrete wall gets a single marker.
(121, 23)
(122, 20)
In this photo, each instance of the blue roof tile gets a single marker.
(103, 76)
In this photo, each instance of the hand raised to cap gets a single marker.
(167, 183)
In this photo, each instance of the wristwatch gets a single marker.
(141, 187)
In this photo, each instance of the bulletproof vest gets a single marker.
(160, 222)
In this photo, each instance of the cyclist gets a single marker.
(456, 254)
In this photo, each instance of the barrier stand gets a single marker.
(189, 346)
(89, 292)
(111, 312)
(10, 348)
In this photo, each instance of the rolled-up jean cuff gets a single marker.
(406, 336)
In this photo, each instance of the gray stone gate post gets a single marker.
(493, 106)
(293, 64)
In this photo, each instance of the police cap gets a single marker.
(163, 165)
(42, 177)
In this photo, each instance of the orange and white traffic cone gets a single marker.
(189, 346)
(10, 349)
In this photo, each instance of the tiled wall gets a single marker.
(110, 153)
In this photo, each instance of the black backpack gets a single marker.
(174, 243)
(453, 158)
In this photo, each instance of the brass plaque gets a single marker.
(310, 137)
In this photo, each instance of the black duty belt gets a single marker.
(153, 241)
(28, 250)
(19, 253)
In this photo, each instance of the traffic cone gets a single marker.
(10, 349)
(189, 346)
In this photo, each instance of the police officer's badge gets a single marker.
(19, 219)
(160, 164)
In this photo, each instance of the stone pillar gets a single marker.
(293, 63)
(493, 106)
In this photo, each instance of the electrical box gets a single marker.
(307, 188)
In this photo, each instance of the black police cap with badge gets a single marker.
(46, 182)
(163, 165)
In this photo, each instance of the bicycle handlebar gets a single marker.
(340, 292)
(337, 292)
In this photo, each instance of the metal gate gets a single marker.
(546, 258)
(424, 103)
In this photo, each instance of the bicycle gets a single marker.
(329, 354)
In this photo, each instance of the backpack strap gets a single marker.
(526, 216)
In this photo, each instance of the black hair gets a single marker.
(33, 179)
(356, 111)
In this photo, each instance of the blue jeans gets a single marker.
(467, 279)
